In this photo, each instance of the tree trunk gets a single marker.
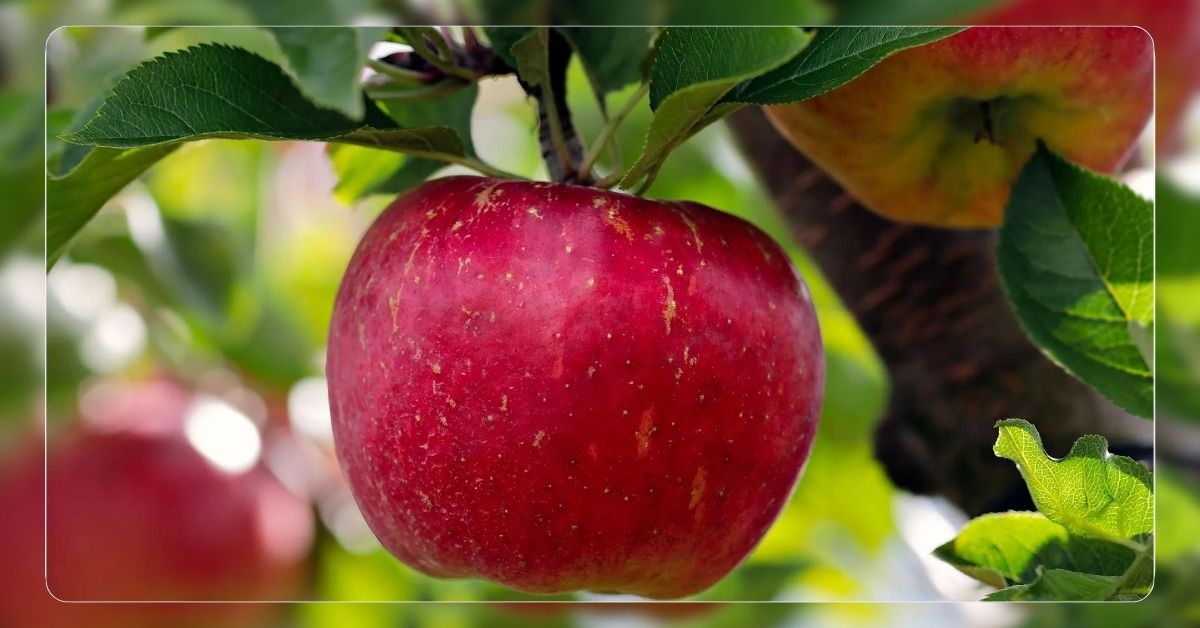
(931, 302)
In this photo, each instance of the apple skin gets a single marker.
(908, 137)
(135, 513)
(1174, 25)
(560, 388)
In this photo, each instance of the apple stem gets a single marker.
(985, 112)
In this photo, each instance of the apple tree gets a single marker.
(1046, 317)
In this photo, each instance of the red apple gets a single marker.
(1174, 25)
(134, 513)
(557, 387)
(937, 134)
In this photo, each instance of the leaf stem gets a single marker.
(479, 166)
(396, 74)
(415, 37)
(650, 177)
(609, 132)
(388, 92)
(609, 181)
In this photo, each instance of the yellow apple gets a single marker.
(937, 134)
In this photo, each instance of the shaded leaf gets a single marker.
(612, 57)
(1059, 585)
(836, 56)
(1076, 258)
(452, 111)
(363, 171)
(531, 53)
(1091, 492)
(502, 39)
(327, 63)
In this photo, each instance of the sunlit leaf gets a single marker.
(1006, 548)
(1091, 492)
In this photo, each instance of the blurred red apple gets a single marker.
(135, 513)
(557, 387)
(937, 134)
(1174, 25)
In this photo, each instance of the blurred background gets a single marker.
(184, 338)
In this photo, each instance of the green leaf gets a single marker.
(362, 172)
(327, 63)
(836, 56)
(690, 56)
(1060, 585)
(72, 200)
(612, 57)
(452, 111)
(693, 68)
(531, 53)
(1091, 492)
(503, 38)
(217, 91)
(1000, 549)
(1075, 255)
(209, 91)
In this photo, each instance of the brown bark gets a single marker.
(931, 302)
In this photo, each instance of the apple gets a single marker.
(937, 134)
(1174, 25)
(557, 388)
(135, 513)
